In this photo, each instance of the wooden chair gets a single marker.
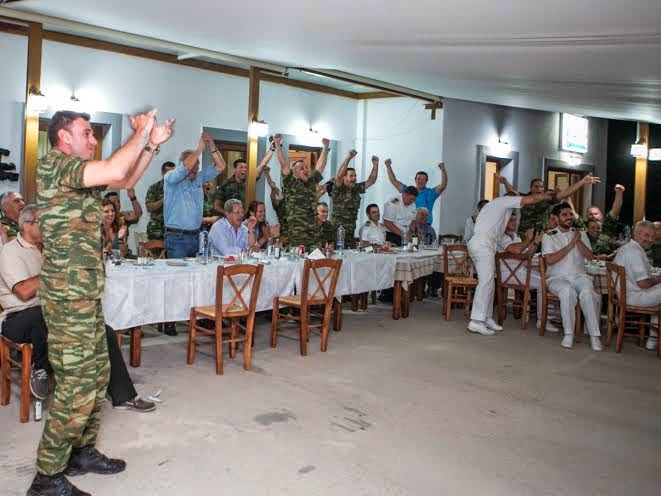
(618, 309)
(318, 289)
(548, 296)
(452, 238)
(458, 281)
(154, 248)
(239, 279)
(25, 366)
(507, 267)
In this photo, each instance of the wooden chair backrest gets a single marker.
(154, 244)
(507, 266)
(239, 278)
(455, 238)
(319, 281)
(456, 261)
(617, 284)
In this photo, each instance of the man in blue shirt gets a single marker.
(184, 198)
(426, 196)
(229, 236)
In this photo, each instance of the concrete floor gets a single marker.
(414, 407)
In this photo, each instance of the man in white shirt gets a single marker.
(489, 228)
(643, 289)
(565, 251)
(373, 231)
(398, 213)
(229, 236)
(469, 227)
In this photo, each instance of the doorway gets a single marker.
(558, 174)
(230, 151)
(307, 154)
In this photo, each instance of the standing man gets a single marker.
(209, 216)
(154, 203)
(398, 213)
(609, 221)
(469, 225)
(565, 251)
(11, 204)
(300, 195)
(489, 229)
(426, 196)
(184, 198)
(346, 195)
(643, 289)
(69, 183)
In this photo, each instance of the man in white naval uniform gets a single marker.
(643, 289)
(565, 251)
(489, 229)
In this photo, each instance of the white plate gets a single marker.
(176, 263)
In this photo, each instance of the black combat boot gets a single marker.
(89, 459)
(53, 485)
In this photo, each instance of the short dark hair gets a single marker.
(411, 190)
(351, 169)
(166, 165)
(537, 179)
(371, 205)
(239, 161)
(558, 207)
(593, 221)
(422, 173)
(482, 203)
(322, 204)
(109, 194)
(63, 119)
(511, 193)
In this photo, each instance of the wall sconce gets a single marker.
(501, 149)
(74, 104)
(37, 102)
(639, 148)
(574, 160)
(258, 129)
(655, 154)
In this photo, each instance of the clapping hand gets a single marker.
(160, 134)
(277, 140)
(252, 222)
(589, 179)
(143, 123)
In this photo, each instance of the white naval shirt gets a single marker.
(505, 241)
(492, 221)
(399, 214)
(372, 233)
(573, 264)
(636, 265)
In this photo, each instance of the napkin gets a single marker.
(316, 255)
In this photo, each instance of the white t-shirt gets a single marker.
(492, 221)
(469, 227)
(505, 241)
(636, 265)
(573, 263)
(399, 214)
(19, 261)
(373, 233)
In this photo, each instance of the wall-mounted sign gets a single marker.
(573, 133)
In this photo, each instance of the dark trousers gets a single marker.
(120, 387)
(28, 326)
(393, 238)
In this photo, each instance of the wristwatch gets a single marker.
(153, 151)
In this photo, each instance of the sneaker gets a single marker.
(568, 341)
(550, 326)
(88, 459)
(479, 327)
(595, 342)
(137, 404)
(652, 343)
(53, 485)
(39, 384)
(493, 325)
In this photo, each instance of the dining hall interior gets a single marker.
(391, 394)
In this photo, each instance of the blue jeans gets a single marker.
(181, 245)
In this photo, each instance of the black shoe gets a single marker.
(169, 329)
(53, 485)
(39, 384)
(89, 459)
(137, 404)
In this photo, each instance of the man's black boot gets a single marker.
(53, 485)
(89, 459)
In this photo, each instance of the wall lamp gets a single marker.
(37, 102)
(639, 148)
(258, 129)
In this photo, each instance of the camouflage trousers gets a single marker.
(78, 353)
(306, 234)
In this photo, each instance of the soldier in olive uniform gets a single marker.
(327, 231)
(609, 222)
(300, 195)
(69, 185)
(603, 246)
(209, 216)
(154, 203)
(346, 195)
(12, 203)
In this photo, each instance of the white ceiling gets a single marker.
(590, 57)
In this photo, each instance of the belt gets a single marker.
(189, 232)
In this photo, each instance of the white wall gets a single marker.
(533, 134)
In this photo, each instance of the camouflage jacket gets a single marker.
(609, 225)
(70, 220)
(156, 226)
(301, 205)
(281, 212)
(604, 245)
(231, 188)
(346, 202)
(10, 226)
(327, 233)
(536, 216)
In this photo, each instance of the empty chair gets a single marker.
(513, 273)
(24, 365)
(458, 281)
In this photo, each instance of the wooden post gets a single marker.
(251, 157)
(640, 177)
(31, 122)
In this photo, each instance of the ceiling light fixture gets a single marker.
(501, 149)
(639, 148)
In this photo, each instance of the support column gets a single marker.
(640, 177)
(31, 121)
(251, 157)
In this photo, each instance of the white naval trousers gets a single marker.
(484, 259)
(535, 283)
(650, 297)
(579, 288)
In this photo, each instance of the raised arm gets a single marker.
(374, 173)
(444, 179)
(585, 180)
(323, 158)
(617, 202)
(284, 161)
(191, 160)
(217, 157)
(134, 216)
(508, 187)
(391, 176)
(536, 198)
(265, 160)
(342, 171)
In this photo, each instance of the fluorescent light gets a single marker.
(655, 154)
(258, 129)
(639, 150)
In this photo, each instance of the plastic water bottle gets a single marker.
(38, 410)
(405, 242)
(339, 245)
(203, 248)
(277, 249)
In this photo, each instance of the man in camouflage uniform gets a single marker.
(327, 231)
(69, 185)
(12, 203)
(209, 216)
(154, 203)
(603, 246)
(609, 222)
(300, 195)
(235, 186)
(346, 195)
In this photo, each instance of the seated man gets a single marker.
(603, 246)
(565, 251)
(373, 231)
(11, 204)
(469, 227)
(327, 231)
(643, 289)
(230, 236)
(398, 213)
(20, 265)
(420, 228)
(609, 221)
